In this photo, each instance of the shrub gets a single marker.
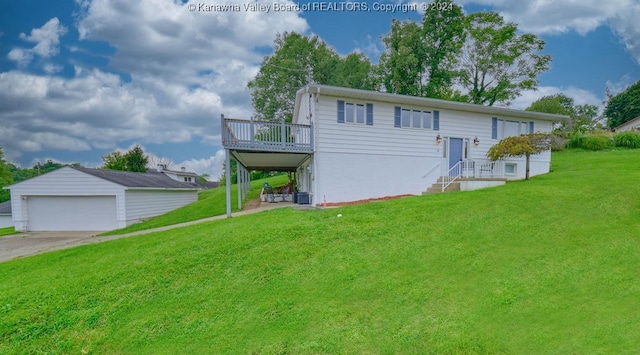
(629, 139)
(591, 142)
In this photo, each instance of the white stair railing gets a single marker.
(452, 175)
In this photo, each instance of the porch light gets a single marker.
(438, 139)
(476, 141)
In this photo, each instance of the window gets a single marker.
(187, 179)
(411, 118)
(510, 168)
(355, 113)
(505, 128)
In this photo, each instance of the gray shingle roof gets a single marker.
(5, 207)
(130, 179)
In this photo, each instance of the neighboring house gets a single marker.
(350, 145)
(76, 199)
(185, 176)
(631, 125)
(5, 215)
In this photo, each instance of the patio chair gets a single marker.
(269, 195)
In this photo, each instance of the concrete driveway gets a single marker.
(30, 243)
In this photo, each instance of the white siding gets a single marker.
(142, 204)
(354, 161)
(5, 221)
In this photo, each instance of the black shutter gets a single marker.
(436, 120)
(369, 114)
(396, 121)
(530, 126)
(494, 127)
(340, 111)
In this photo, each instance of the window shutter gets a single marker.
(436, 120)
(340, 111)
(530, 126)
(396, 121)
(494, 127)
(369, 114)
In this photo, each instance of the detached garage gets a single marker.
(81, 199)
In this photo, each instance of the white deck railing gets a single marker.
(473, 169)
(266, 135)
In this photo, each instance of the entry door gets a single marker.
(455, 151)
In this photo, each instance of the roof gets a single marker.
(131, 179)
(5, 207)
(422, 101)
(631, 121)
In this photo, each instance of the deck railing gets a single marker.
(266, 135)
(473, 169)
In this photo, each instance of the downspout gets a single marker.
(314, 170)
(228, 180)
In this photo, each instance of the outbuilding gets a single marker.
(83, 199)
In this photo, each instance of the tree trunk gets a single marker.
(526, 177)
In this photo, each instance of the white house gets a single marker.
(631, 125)
(77, 199)
(5, 215)
(349, 145)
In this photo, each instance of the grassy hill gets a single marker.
(544, 266)
(210, 203)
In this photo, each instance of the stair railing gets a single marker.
(452, 175)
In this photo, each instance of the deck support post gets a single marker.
(228, 180)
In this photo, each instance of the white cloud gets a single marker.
(185, 69)
(579, 96)
(582, 16)
(46, 38)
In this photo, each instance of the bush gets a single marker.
(591, 142)
(629, 139)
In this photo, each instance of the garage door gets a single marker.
(72, 213)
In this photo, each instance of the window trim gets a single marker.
(355, 113)
(408, 122)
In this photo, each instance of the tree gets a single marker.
(419, 59)
(134, 160)
(582, 118)
(5, 178)
(624, 106)
(496, 62)
(299, 60)
(522, 145)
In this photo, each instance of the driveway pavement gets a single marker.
(31, 243)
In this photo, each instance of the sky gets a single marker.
(82, 78)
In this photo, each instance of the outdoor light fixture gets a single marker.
(476, 141)
(438, 139)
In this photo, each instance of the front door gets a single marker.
(455, 151)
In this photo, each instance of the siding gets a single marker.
(356, 161)
(143, 204)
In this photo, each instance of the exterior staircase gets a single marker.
(437, 187)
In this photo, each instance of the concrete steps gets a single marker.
(437, 187)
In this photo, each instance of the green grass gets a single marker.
(7, 231)
(210, 203)
(545, 266)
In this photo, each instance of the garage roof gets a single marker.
(131, 179)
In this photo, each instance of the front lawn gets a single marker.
(7, 231)
(538, 267)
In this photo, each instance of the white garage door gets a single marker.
(72, 213)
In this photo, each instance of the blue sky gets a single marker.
(82, 78)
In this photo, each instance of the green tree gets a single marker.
(133, 160)
(299, 60)
(582, 118)
(624, 106)
(420, 59)
(522, 145)
(496, 62)
(5, 178)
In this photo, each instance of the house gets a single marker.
(187, 177)
(5, 215)
(77, 199)
(349, 145)
(631, 125)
